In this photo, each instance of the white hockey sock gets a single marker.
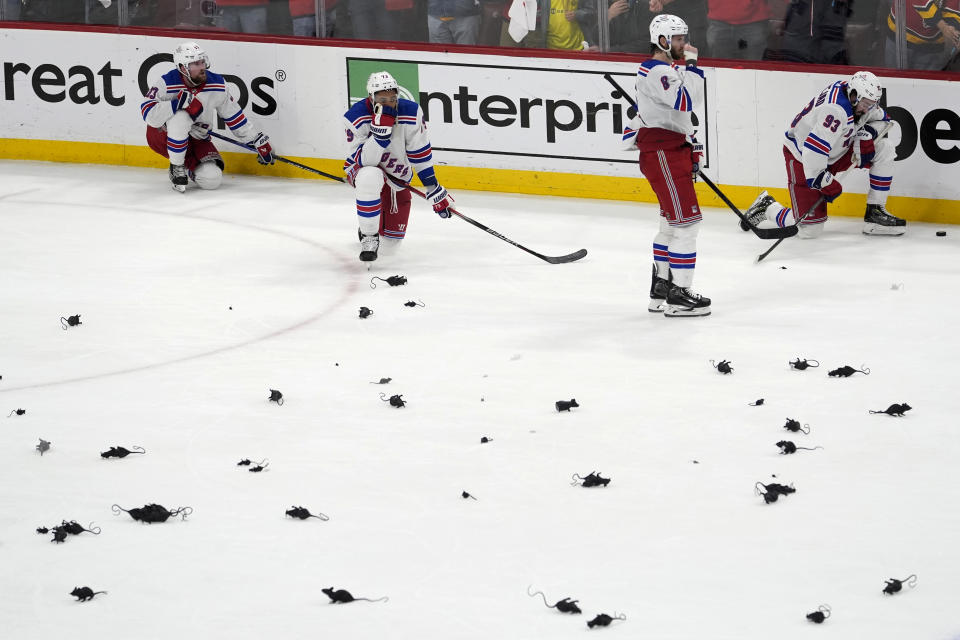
(368, 213)
(682, 254)
(879, 188)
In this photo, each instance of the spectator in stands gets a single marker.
(739, 29)
(949, 26)
(11, 9)
(53, 11)
(247, 16)
(453, 21)
(930, 38)
(630, 25)
(381, 19)
(814, 31)
(303, 14)
(569, 23)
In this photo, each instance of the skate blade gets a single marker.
(881, 230)
(656, 306)
(684, 312)
(181, 188)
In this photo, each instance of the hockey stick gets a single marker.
(795, 226)
(280, 158)
(570, 257)
(763, 234)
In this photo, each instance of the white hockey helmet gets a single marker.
(188, 52)
(666, 25)
(866, 85)
(381, 81)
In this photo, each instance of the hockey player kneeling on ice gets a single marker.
(669, 158)
(181, 108)
(387, 136)
(839, 129)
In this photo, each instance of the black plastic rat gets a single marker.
(153, 513)
(18, 412)
(72, 321)
(563, 405)
(302, 513)
(563, 606)
(84, 593)
(393, 281)
(894, 585)
(342, 596)
(794, 426)
(787, 447)
(383, 381)
(593, 479)
(44, 446)
(895, 410)
(846, 371)
(276, 396)
(395, 401)
(121, 452)
(603, 620)
(772, 492)
(723, 366)
(821, 614)
(800, 365)
(74, 528)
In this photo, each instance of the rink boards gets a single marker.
(498, 121)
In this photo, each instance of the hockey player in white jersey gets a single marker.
(840, 128)
(387, 136)
(181, 108)
(669, 157)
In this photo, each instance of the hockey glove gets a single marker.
(865, 144)
(696, 154)
(200, 131)
(352, 174)
(186, 101)
(829, 187)
(441, 201)
(264, 150)
(384, 116)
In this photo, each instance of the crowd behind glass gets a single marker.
(862, 33)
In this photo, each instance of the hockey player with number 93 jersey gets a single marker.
(387, 138)
(181, 108)
(842, 127)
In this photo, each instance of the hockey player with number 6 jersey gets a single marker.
(181, 108)
(387, 136)
(669, 158)
(842, 127)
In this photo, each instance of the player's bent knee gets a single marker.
(208, 175)
(810, 231)
(686, 232)
(369, 182)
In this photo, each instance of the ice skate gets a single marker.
(178, 176)
(682, 302)
(369, 245)
(757, 212)
(659, 288)
(877, 221)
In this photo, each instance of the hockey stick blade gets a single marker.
(570, 257)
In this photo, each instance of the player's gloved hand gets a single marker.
(696, 154)
(828, 186)
(200, 131)
(186, 101)
(352, 174)
(441, 201)
(865, 144)
(264, 150)
(384, 117)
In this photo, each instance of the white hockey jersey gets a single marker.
(665, 96)
(825, 129)
(408, 152)
(159, 106)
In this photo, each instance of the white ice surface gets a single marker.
(685, 550)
